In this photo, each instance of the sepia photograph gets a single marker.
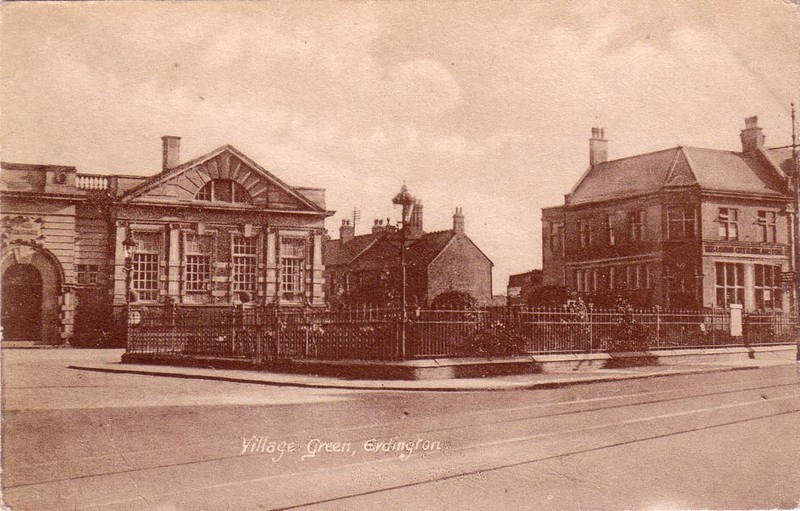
(403, 255)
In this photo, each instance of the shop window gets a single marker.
(768, 286)
(729, 283)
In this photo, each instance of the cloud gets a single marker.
(485, 105)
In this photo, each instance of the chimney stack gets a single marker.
(170, 152)
(346, 232)
(458, 221)
(378, 227)
(751, 135)
(598, 147)
(415, 223)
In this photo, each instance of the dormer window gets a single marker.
(223, 190)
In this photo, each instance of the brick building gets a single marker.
(682, 227)
(215, 231)
(521, 286)
(366, 268)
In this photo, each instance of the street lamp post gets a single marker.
(406, 202)
(129, 247)
(796, 233)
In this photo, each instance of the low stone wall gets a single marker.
(447, 368)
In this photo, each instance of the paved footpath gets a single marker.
(111, 364)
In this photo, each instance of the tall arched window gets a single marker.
(223, 190)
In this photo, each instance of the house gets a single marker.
(684, 227)
(367, 268)
(522, 285)
(213, 232)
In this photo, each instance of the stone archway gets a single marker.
(32, 295)
(22, 303)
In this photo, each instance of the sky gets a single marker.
(483, 105)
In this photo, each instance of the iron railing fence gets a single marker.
(771, 328)
(376, 334)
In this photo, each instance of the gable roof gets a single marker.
(225, 162)
(425, 249)
(710, 169)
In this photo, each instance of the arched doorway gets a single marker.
(32, 275)
(22, 303)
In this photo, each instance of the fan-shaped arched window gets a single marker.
(223, 190)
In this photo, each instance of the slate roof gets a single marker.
(734, 172)
(710, 169)
(423, 250)
(335, 253)
(376, 251)
(782, 156)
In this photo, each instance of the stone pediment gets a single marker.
(181, 184)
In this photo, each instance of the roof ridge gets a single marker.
(641, 154)
(740, 153)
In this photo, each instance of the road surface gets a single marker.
(84, 440)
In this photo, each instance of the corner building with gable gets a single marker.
(685, 227)
(213, 232)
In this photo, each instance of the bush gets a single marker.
(549, 296)
(454, 300)
(499, 339)
(629, 334)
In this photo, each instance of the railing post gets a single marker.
(590, 318)
(658, 326)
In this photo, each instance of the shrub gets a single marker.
(454, 300)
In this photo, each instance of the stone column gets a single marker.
(318, 277)
(119, 264)
(749, 287)
(174, 263)
(67, 313)
(272, 268)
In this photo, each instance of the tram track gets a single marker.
(380, 429)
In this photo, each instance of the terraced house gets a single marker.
(213, 232)
(684, 227)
